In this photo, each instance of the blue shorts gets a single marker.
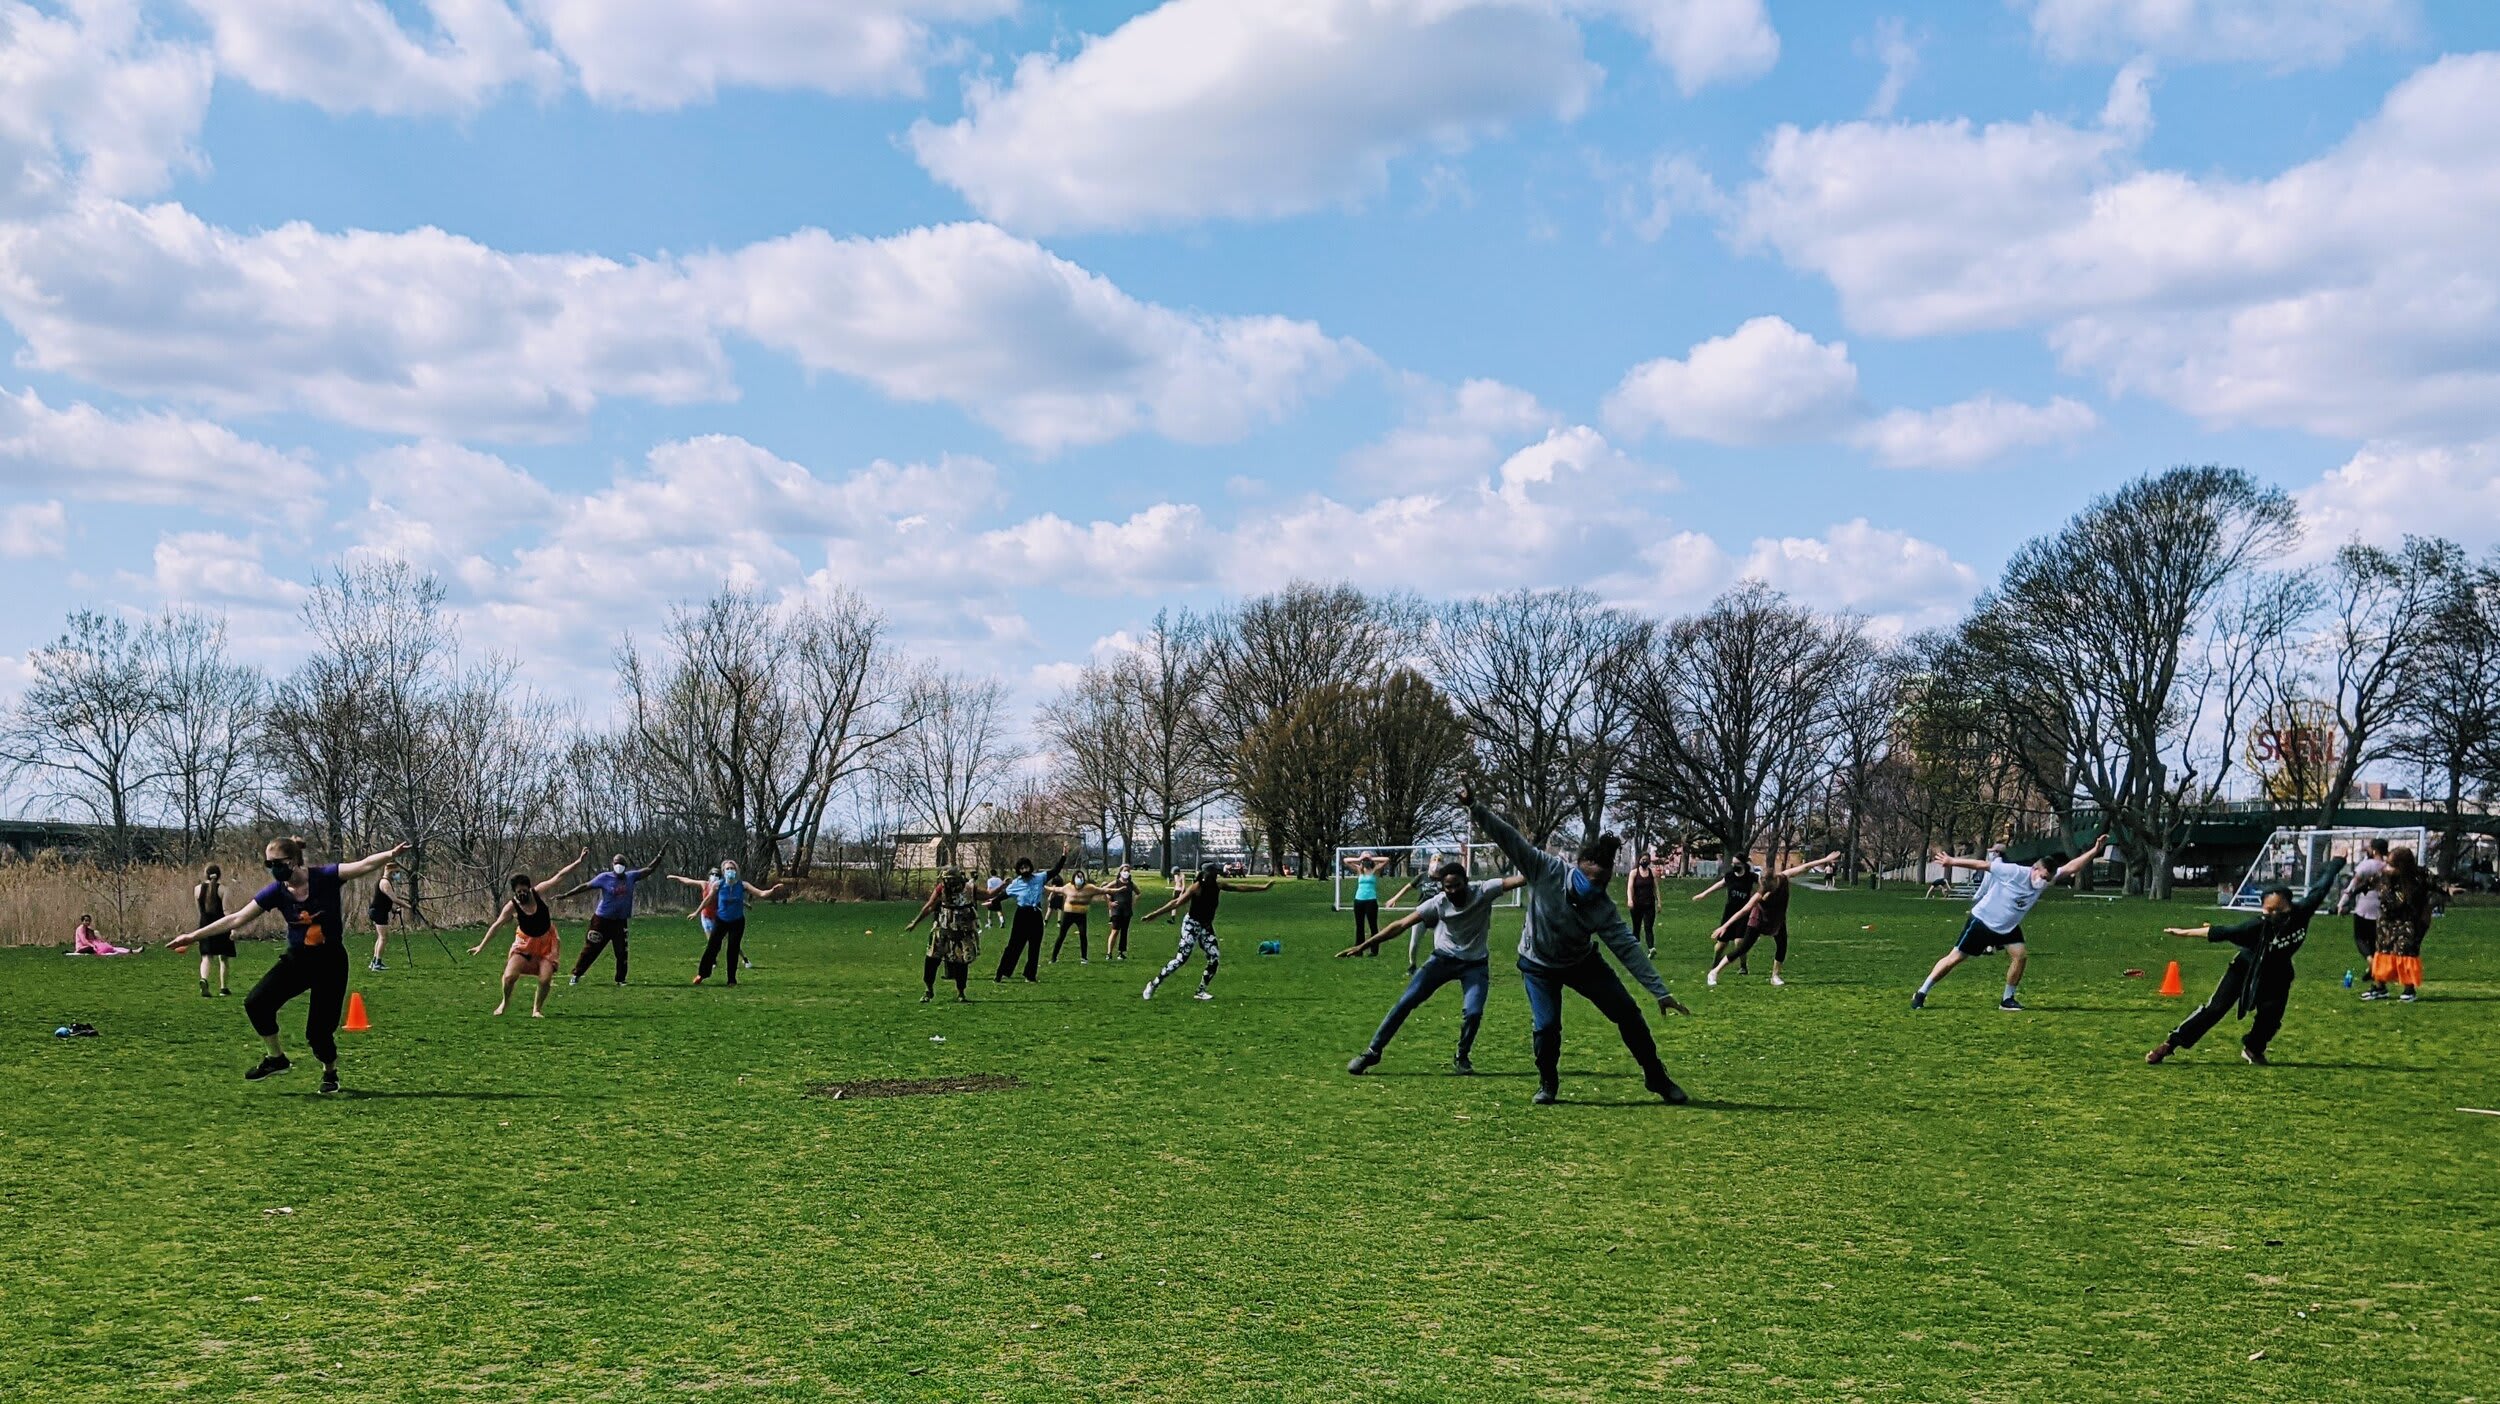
(1978, 940)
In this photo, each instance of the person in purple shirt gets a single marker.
(610, 919)
(315, 962)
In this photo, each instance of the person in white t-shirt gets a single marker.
(2006, 896)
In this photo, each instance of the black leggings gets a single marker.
(1645, 926)
(318, 971)
(956, 971)
(1742, 946)
(1367, 919)
(729, 930)
(601, 937)
(1066, 920)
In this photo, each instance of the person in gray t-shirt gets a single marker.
(1461, 914)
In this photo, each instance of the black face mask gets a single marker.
(280, 869)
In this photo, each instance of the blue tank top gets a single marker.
(731, 901)
(1367, 888)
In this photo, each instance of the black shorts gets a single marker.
(1978, 940)
(221, 944)
(378, 914)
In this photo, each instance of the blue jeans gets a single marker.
(1595, 981)
(1474, 978)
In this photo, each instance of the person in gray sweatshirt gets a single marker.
(1569, 912)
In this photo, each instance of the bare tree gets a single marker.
(2086, 644)
(501, 761)
(80, 732)
(2450, 723)
(1166, 683)
(1866, 723)
(1298, 772)
(958, 758)
(2381, 610)
(202, 736)
(1734, 711)
(1537, 674)
(1093, 727)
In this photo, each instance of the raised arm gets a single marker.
(511, 912)
(2309, 903)
(1710, 889)
(1525, 856)
(231, 921)
(2084, 859)
(1245, 886)
(672, 877)
(1975, 865)
(1804, 868)
(759, 893)
(560, 874)
(367, 864)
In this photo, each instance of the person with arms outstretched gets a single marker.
(1765, 913)
(1461, 916)
(2007, 893)
(1569, 914)
(536, 951)
(955, 936)
(729, 919)
(611, 920)
(1738, 880)
(1200, 897)
(2259, 980)
(315, 960)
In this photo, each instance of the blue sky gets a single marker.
(1025, 320)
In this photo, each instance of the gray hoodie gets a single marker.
(1560, 932)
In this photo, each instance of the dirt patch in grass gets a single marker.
(913, 1086)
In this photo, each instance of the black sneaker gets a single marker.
(2252, 1056)
(1364, 1062)
(1462, 1067)
(924, 999)
(1546, 1097)
(204, 994)
(270, 1066)
(2010, 1005)
(1668, 1092)
(329, 1081)
(1918, 999)
(2160, 1051)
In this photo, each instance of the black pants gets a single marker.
(956, 971)
(1742, 946)
(1645, 926)
(732, 930)
(603, 933)
(1115, 941)
(1595, 981)
(1367, 919)
(1066, 920)
(318, 971)
(1025, 938)
(2365, 937)
(2274, 990)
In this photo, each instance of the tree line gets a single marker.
(2115, 672)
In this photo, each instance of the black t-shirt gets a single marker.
(314, 923)
(212, 902)
(533, 921)
(1202, 900)
(1773, 913)
(1740, 886)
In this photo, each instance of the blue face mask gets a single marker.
(1581, 888)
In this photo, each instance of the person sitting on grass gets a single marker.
(2260, 977)
(1461, 916)
(85, 941)
(536, 951)
(1569, 911)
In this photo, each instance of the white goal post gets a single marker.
(2293, 858)
(1408, 862)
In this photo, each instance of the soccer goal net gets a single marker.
(1399, 865)
(2294, 858)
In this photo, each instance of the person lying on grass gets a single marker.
(2260, 977)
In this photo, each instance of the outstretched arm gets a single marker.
(1381, 937)
(511, 912)
(1525, 856)
(759, 893)
(2084, 859)
(231, 921)
(1245, 886)
(1976, 865)
(1738, 915)
(2316, 896)
(1177, 898)
(1627, 949)
(1710, 889)
(1804, 868)
(925, 907)
(561, 873)
(365, 865)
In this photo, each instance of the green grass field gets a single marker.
(636, 1199)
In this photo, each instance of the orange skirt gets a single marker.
(2389, 969)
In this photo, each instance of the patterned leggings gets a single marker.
(1194, 936)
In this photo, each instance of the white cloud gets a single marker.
(668, 53)
(2388, 490)
(1700, 42)
(149, 457)
(429, 333)
(1212, 108)
(354, 56)
(1899, 581)
(422, 332)
(437, 502)
(1766, 382)
(1448, 436)
(2282, 33)
(2352, 295)
(1898, 53)
(219, 571)
(1041, 349)
(1972, 432)
(30, 529)
(1675, 185)
(91, 99)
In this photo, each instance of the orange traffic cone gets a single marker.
(2170, 984)
(357, 1023)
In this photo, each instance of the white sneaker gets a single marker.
(1202, 994)
(1777, 980)
(574, 981)
(1712, 980)
(1150, 990)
